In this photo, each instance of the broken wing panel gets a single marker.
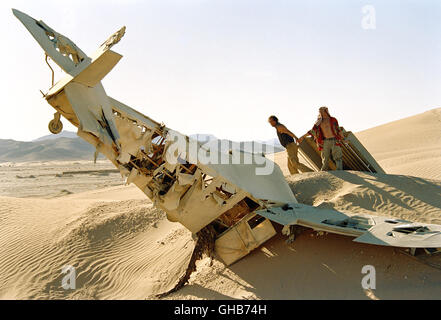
(410, 235)
(319, 219)
(355, 155)
(271, 187)
(360, 154)
(369, 229)
(88, 74)
(308, 151)
(89, 105)
(98, 69)
(260, 177)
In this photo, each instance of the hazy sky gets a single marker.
(223, 66)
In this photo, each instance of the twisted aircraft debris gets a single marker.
(231, 198)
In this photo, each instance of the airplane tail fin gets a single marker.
(61, 49)
(68, 56)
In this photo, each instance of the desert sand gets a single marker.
(124, 248)
(411, 146)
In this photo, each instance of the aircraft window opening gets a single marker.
(232, 216)
(207, 180)
(153, 158)
(407, 230)
(222, 193)
(347, 223)
(166, 182)
(188, 168)
(251, 204)
(267, 202)
(255, 221)
(158, 142)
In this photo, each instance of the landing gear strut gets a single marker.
(292, 232)
(55, 125)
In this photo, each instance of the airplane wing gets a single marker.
(369, 229)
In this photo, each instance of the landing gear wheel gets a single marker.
(55, 125)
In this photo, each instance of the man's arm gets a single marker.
(282, 129)
(300, 140)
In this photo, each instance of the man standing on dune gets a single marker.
(288, 140)
(328, 136)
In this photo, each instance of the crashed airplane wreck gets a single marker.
(228, 200)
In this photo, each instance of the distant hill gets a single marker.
(62, 134)
(45, 150)
(67, 146)
(258, 144)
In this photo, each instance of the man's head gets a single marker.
(273, 121)
(324, 112)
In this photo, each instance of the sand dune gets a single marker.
(410, 146)
(405, 197)
(120, 248)
(124, 248)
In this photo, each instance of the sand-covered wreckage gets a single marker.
(232, 201)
